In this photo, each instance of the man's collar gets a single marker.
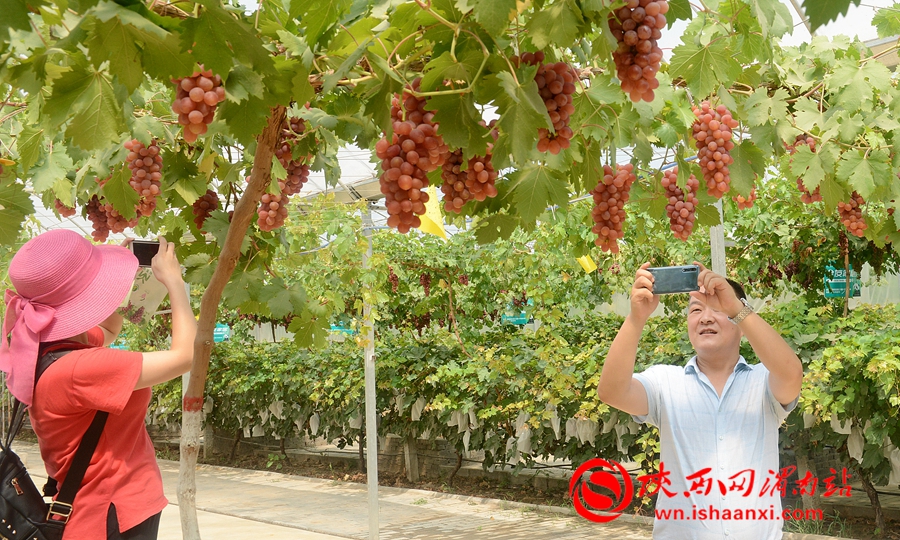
(691, 366)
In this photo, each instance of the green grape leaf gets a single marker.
(321, 15)
(445, 68)
(494, 227)
(887, 21)
(708, 215)
(494, 15)
(242, 83)
(773, 16)
(820, 12)
(163, 58)
(15, 15)
(860, 172)
(458, 119)
(279, 300)
(216, 36)
(98, 120)
(748, 160)
(704, 68)
(679, 10)
(536, 187)
(54, 166)
(120, 194)
(245, 119)
(832, 193)
(310, 330)
(522, 113)
(856, 82)
(557, 23)
(114, 42)
(762, 109)
(29, 144)
(15, 204)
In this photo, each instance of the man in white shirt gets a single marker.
(717, 416)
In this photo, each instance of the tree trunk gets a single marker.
(192, 404)
(873, 497)
(805, 464)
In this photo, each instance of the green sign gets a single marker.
(221, 333)
(835, 282)
(341, 329)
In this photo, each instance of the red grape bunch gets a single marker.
(204, 206)
(743, 203)
(273, 208)
(95, 211)
(476, 182)
(393, 279)
(805, 195)
(425, 282)
(610, 196)
(712, 131)
(556, 84)
(195, 102)
(851, 215)
(414, 150)
(112, 219)
(637, 26)
(682, 205)
(145, 164)
(62, 209)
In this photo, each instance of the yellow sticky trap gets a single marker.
(587, 263)
(432, 221)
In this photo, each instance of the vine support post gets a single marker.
(371, 425)
(192, 401)
(844, 244)
(717, 242)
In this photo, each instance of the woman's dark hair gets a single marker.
(738, 290)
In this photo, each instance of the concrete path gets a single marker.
(239, 503)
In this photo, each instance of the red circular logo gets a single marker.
(601, 498)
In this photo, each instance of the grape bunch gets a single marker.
(63, 210)
(463, 279)
(712, 131)
(743, 203)
(273, 208)
(195, 102)
(204, 206)
(556, 84)
(425, 282)
(414, 150)
(682, 205)
(805, 194)
(637, 26)
(476, 182)
(851, 215)
(393, 279)
(145, 164)
(610, 196)
(95, 211)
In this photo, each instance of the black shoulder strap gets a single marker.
(89, 441)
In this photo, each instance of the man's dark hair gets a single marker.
(738, 290)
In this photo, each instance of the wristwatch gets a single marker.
(742, 314)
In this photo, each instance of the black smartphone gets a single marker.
(675, 279)
(144, 250)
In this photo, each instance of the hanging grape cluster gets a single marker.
(682, 205)
(637, 26)
(204, 206)
(476, 182)
(195, 102)
(610, 196)
(393, 279)
(851, 215)
(712, 131)
(145, 164)
(95, 211)
(745, 203)
(425, 282)
(556, 84)
(414, 150)
(805, 195)
(273, 207)
(62, 209)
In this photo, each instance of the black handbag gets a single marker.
(23, 513)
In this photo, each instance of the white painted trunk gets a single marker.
(187, 486)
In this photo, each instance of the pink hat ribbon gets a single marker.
(25, 319)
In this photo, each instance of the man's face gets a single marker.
(710, 331)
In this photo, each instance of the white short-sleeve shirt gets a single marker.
(734, 436)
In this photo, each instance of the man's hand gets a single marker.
(643, 301)
(716, 292)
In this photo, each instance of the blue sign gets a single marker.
(221, 333)
(835, 282)
(341, 329)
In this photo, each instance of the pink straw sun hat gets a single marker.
(64, 286)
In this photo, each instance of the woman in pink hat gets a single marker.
(68, 290)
